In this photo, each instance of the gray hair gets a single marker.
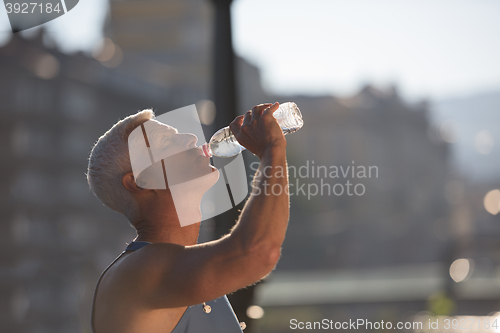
(109, 160)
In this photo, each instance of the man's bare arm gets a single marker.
(174, 275)
(264, 219)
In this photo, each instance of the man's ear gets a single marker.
(129, 183)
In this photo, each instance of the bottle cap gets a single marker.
(206, 150)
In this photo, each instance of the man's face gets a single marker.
(185, 161)
(178, 158)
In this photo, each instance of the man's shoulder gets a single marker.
(145, 262)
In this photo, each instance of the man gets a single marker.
(174, 284)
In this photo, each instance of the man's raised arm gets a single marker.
(173, 275)
(264, 219)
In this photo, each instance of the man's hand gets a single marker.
(258, 131)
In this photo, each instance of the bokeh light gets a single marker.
(108, 53)
(206, 111)
(461, 269)
(492, 202)
(484, 142)
(46, 67)
(104, 50)
(255, 312)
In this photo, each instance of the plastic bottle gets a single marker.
(224, 144)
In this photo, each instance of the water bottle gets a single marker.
(224, 144)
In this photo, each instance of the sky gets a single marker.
(428, 48)
(79, 29)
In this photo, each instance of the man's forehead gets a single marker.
(157, 126)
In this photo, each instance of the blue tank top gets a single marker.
(221, 318)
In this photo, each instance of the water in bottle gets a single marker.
(224, 144)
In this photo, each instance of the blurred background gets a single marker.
(411, 88)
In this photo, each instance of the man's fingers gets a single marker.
(235, 125)
(271, 109)
(258, 109)
(247, 118)
(251, 115)
(263, 105)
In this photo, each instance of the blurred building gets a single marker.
(469, 123)
(385, 254)
(55, 106)
(402, 197)
(57, 237)
(172, 38)
(404, 201)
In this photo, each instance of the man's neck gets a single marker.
(177, 235)
(161, 222)
(173, 216)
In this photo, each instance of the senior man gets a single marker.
(164, 281)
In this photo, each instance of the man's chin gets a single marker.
(204, 182)
(214, 175)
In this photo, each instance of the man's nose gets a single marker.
(189, 140)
